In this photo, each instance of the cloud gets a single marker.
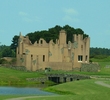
(37, 19)
(2, 31)
(70, 19)
(31, 19)
(107, 32)
(71, 11)
(27, 18)
(21, 13)
(70, 15)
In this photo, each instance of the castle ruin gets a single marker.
(57, 56)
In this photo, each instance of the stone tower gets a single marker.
(62, 37)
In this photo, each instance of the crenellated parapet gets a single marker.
(61, 54)
(40, 43)
(80, 37)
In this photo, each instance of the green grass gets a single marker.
(78, 90)
(78, 87)
(3, 97)
(103, 63)
(107, 59)
(85, 89)
(103, 69)
(11, 77)
(107, 81)
(75, 97)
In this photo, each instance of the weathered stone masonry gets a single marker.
(57, 56)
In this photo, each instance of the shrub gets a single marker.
(3, 61)
(100, 56)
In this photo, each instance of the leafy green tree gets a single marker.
(51, 33)
(8, 52)
(70, 31)
(14, 43)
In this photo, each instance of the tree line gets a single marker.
(51, 33)
(99, 52)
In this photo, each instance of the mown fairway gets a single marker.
(78, 90)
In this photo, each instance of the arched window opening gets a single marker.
(41, 41)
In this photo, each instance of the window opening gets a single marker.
(41, 41)
(31, 57)
(43, 58)
(86, 58)
(80, 58)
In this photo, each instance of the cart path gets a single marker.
(102, 83)
(23, 98)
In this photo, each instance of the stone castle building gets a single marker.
(57, 56)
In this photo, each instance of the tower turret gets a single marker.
(62, 37)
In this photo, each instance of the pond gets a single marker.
(22, 91)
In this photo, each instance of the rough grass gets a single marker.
(107, 59)
(11, 77)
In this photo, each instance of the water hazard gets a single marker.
(22, 91)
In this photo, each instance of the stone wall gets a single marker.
(59, 78)
(92, 67)
(40, 79)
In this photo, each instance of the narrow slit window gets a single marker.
(31, 57)
(86, 58)
(43, 58)
(41, 41)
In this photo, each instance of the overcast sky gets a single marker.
(92, 16)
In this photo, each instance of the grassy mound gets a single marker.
(78, 90)
(15, 77)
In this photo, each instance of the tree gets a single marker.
(14, 44)
(7, 52)
(70, 31)
(51, 33)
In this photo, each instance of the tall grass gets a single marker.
(11, 77)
